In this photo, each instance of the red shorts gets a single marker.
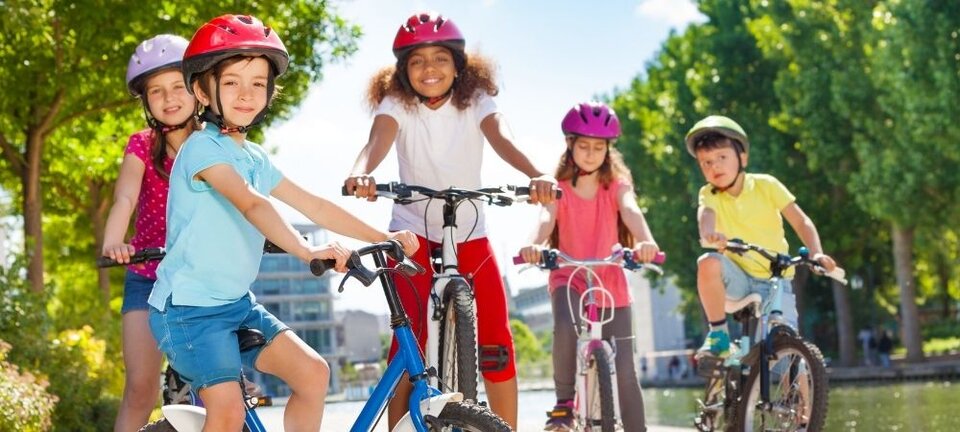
(479, 266)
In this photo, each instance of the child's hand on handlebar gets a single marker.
(543, 189)
(825, 261)
(361, 186)
(532, 254)
(645, 251)
(714, 240)
(407, 239)
(119, 252)
(334, 251)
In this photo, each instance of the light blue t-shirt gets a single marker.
(213, 252)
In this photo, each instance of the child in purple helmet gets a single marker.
(437, 104)
(153, 76)
(598, 210)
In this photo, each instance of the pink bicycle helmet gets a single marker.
(591, 119)
(427, 28)
(153, 55)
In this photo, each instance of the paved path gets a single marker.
(339, 417)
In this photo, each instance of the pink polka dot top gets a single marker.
(151, 221)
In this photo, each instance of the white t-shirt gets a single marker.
(439, 149)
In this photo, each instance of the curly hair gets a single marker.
(477, 75)
(613, 168)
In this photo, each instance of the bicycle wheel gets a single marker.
(798, 390)
(718, 411)
(462, 416)
(458, 341)
(599, 411)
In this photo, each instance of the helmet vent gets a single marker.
(266, 32)
(439, 24)
(424, 18)
(246, 19)
(606, 122)
(582, 116)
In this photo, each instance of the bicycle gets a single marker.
(596, 406)
(429, 409)
(451, 328)
(780, 383)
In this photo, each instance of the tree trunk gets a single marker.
(97, 209)
(909, 314)
(846, 339)
(32, 211)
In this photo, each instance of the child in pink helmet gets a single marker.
(437, 104)
(598, 210)
(153, 76)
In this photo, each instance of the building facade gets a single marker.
(304, 302)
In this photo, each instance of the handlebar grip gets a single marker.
(319, 266)
(381, 187)
(660, 258)
(519, 260)
(142, 255)
(525, 190)
(106, 262)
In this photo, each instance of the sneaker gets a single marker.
(717, 344)
(560, 418)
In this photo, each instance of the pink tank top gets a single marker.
(588, 230)
(150, 225)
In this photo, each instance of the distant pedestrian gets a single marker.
(865, 337)
(884, 347)
(673, 369)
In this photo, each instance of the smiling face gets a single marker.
(589, 153)
(167, 97)
(243, 91)
(719, 165)
(431, 70)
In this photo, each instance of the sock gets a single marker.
(719, 325)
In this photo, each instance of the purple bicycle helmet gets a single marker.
(591, 119)
(152, 55)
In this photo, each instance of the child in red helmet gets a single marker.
(218, 215)
(598, 210)
(437, 104)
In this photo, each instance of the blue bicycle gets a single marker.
(429, 409)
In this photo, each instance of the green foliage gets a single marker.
(79, 372)
(526, 346)
(25, 406)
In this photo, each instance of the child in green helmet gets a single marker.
(750, 207)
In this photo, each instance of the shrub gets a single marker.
(25, 405)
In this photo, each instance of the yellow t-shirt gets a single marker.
(754, 217)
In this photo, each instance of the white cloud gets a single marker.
(677, 13)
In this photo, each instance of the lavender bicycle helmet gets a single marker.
(153, 55)
(591, 119)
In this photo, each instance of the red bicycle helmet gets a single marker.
(230, 35)
(427, 28)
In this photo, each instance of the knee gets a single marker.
(228, 416)
(314, 380)
(142, 391)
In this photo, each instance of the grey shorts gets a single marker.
(739, 284)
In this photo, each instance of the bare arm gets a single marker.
(333, 217)
(646, 247)
(125, 196)
(542, 187)
(382, 134)
(808, 234)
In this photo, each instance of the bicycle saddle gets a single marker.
(250, 338)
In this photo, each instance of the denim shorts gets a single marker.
(200, 342)
(136, 290)
(739, 284)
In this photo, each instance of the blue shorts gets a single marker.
(136, 290)
(200, 342)
(739, 284)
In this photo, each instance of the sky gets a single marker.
(549, 56)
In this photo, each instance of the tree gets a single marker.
(64, 65)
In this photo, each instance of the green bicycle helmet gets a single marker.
(721, 125)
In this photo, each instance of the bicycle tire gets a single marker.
(458, 341)
(468, 417)
(599, 409)
(719, 412)
(783, 412)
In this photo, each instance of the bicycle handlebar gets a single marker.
(552, 259)
(366, 276)
(781, 260)
(403, 193)
(140, 256)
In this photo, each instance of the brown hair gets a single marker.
(716, 140)
(477, 75)
(613, 168)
